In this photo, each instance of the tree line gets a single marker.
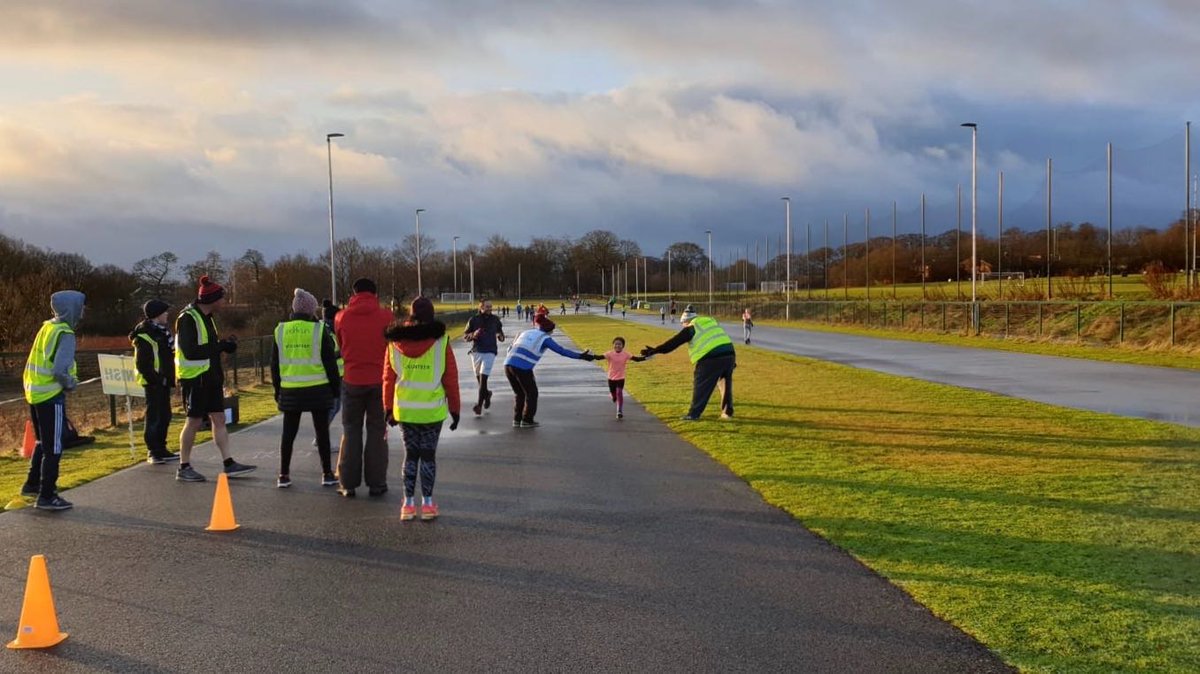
(260, 289)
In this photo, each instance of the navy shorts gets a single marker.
(203, 396)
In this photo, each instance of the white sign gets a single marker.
(118, 376)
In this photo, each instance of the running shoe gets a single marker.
(529, 424)
(429, 511)
(168, 457)
(407, 512)
(189, 474)
(688, 417)
(284, 481)
(235, 469)
(329, 480)
(620, 415)
(517, 423)
(347, 493)
(155, 460)
(725, 415)
(57, 502)
(376, 491)
(31, 489)
(477, 409)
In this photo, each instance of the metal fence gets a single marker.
(88, 407)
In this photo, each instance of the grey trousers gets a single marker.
(709, 374)
(358, 460)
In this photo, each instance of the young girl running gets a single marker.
(617, 359)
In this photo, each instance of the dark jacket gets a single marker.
(144, 355)
(309, 398)
(187, 336)
(683, 337)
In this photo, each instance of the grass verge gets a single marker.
(1063, 540)
(110, 452)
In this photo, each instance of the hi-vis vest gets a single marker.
(299, 347)
(190, 369)
(39, 381)
(157, 363)
(708, 336)
(419, 397)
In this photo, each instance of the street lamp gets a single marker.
(787, 283)
(420, 292)
(710, 285)
(332, 271)
(974, 163)
(454, 257)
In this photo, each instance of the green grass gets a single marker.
(110, 452)
(1063, 540)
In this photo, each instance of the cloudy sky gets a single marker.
(132, 126)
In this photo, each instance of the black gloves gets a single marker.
(392, 419)
(453, 421)
(649, 351)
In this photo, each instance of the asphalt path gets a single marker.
(1147, 392)
(586, 544)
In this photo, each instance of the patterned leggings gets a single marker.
(420, 451)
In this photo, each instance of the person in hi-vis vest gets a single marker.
(198, 351)
(50, 373)
(306, 377)
(420, 389)
(153, 346)
(711, 352)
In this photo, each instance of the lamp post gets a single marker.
(710, 280)
(974, 164)
(332, 270)
(787, 279)
(454, 261)
(420, 291)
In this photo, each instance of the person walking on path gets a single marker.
(523, 356)
(304, 372)
(711, 352)
(153, 346)
(359, 330)
(50, 373)
(662, 314)
(617, 359)
(420, 388)
(747, 324)
(198, 352)
(484, 330)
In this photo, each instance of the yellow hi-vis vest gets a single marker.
(420, 398)
(157, 363)
(299, 347)
(190, 369)
(708, 336)
(39, 381)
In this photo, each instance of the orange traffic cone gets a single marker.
(29, 442)
(222, 512)
(39, 624)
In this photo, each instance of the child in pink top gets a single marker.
(617, 359)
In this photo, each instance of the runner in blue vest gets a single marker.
(523, 355)
(711, 352)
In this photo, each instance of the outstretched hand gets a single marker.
(391, 419)
(648, 351)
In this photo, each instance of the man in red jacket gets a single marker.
(359, 328)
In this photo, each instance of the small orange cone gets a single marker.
(30, 441)
(222, 512)
(39, 624)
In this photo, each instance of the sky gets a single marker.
(129, 127)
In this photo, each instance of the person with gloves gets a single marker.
(711, 352)
(304, 372)
(523, 355)
(153, 346)
(50, 373)
(198, 352)
(420, 389)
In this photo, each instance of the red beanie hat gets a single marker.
(544, 323)
(210, 291)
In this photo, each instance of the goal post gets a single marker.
(458, 298)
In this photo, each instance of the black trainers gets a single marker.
(31, 489)
(376, 491)
(517, 423)
(620, 415)
(188, 474)
(55, 502)
(168, 457)
(283, 482)
(477, 409)
(529, 424)
(235, 469)
(688, 417)
(154, 460)
(329, 480)
(347, 493)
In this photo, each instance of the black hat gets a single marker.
(365, 285)
(155, 308)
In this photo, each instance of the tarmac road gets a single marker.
(587, 544)
(1147, 392)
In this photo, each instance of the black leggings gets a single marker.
(525, 392)
(420, 455)
(291, 426)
